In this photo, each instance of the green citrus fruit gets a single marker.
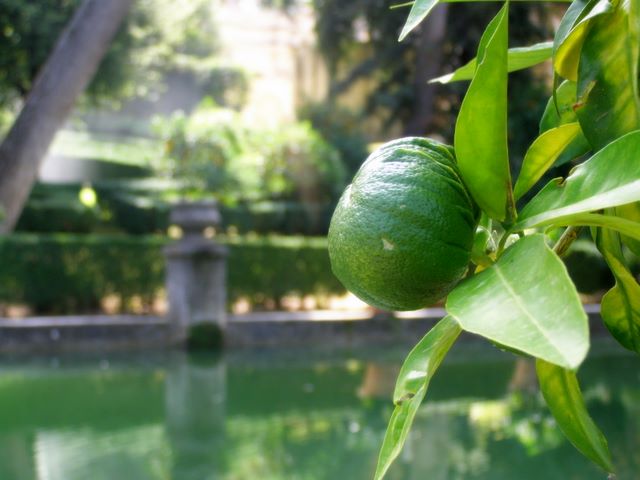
(401, 235)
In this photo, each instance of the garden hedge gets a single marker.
(67, 273)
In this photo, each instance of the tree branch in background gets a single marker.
(65, 75)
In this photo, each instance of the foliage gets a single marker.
(66, 273)
(518, 294)
(62, 274)
(58, 211)
(265, 269)
(157, 36)
(282, 217)
(141, 207)
(295, 163)
(342, 129)
(218, 153)
(355, 39)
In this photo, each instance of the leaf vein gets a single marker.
(526, 312)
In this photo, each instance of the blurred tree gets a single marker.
(345, 31)
(66, 73)
(358, 40)
(157, 36)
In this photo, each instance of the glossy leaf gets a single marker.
(480, 139)
(517, 303)
(620, 307)
(560, 108)
(411, 387)
(567, 45)
(611, 177)
(608, 75)
(517, 59)
(577, 10)
(622, 225)
(576, 149)
(630, 211)
(542, 154)
(560, 111)
(419, 11)
(562, 393)
(483, 244)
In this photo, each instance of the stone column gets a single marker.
(196, 275)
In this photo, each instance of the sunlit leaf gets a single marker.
(608, 75)
(411, 387)
(542, 154)
(517, 303)
(562, 393)
(611, 177)
(420, 9)
(481, 129)
(568, 44)
(419, 12)
(625, 227)
(577, 10)
(517, 59)
(560, 109)
(620, 307)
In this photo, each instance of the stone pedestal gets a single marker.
(196, 272)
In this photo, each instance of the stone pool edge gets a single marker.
(258, 329)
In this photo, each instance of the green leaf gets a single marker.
(560, 107)
(542, 154)
(483, 243)
(567, 45)
(611, 177)
(630, 211)
(577, 148)
(560, 111)
(562, 393)
(626, 227)
(419, 11)
(620, 307)
(411, 387)
(577, 10)
(608, 75)
(481, 129)
(517, 302)
(517, 59)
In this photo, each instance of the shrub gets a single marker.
(57, 209)
(141, 207)
(342, 129)
(218, 154)
(73, 273)
(67, 273)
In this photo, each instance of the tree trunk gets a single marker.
(428, 59)
(64, 76)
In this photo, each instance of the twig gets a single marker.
(567, 238)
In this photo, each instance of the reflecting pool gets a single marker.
(303, 415)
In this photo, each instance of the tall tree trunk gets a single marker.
(428, 59)
(67, 72)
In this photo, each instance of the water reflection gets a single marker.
(297, 415)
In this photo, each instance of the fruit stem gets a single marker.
(502, 243)
(565, 241)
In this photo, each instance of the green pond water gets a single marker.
(306, 414)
